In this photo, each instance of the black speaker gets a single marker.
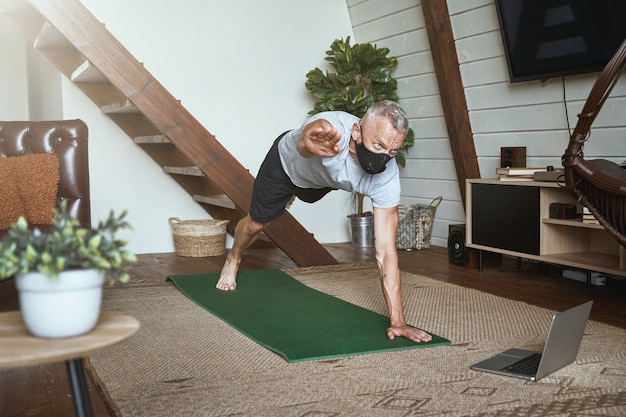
(458, 253)
(513, 157)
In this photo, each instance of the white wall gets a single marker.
(14, 96)
(239, 67)
(530, 114)
(45, 96)
(30, 84)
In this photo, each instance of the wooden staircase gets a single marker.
(81, 47)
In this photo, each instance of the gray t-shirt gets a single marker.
(340, 171)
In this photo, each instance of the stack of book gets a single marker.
(588, 217)
(517, 174)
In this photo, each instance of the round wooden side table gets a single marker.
(19, 348)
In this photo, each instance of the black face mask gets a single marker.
(372, 163)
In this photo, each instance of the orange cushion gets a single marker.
(11, 207)
(36, 178)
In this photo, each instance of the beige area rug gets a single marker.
(186, 362)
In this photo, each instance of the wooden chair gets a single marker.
(599, 184)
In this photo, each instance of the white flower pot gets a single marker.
(69, 306)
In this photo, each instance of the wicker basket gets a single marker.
(415, 225)
(199, 238)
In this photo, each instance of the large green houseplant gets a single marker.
(361, 77)
(44, 262)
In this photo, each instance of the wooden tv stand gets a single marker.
(512, 218)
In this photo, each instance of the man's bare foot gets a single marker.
(228, 277)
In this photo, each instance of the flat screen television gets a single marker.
(552, 38)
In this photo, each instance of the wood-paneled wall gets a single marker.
(531, 114)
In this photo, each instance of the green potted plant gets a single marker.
(59, 272)
(361, 77)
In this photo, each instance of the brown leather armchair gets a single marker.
(67, 139)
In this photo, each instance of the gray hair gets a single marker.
(391, 111)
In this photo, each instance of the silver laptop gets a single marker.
(560, 349)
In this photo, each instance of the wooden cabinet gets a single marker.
(512, 218)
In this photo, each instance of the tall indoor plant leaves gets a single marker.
(361, 77)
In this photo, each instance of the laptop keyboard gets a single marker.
(527, 366)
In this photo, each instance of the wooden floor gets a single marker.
(44, 390)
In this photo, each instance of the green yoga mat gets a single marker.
(293, 320)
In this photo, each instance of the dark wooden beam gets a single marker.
(451, 90)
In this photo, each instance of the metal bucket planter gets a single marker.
(362, 230)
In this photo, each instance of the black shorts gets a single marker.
(273, 189)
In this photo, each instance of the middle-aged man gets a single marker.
(335, 150)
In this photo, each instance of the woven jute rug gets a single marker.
(186, 362)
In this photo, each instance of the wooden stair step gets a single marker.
(191, 171)
(125, 106)
(150, 139)
(88, 73)
(220, 200)
(50, 38)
